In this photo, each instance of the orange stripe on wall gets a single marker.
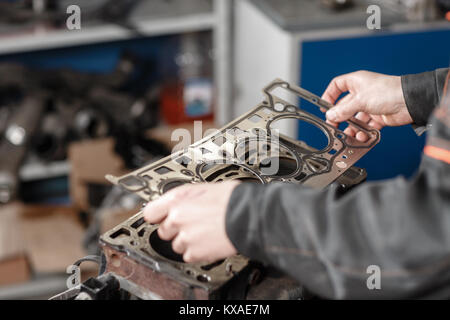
(437, 153)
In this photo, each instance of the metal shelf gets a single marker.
(41, 39)
(38, 170)
(41, 287)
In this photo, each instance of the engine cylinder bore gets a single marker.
(164, 248)
(172, 184)
(217, 172)
(268, 157)
(315, 135)
(278, 166)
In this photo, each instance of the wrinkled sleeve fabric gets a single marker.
(332, 245)
(422, 93)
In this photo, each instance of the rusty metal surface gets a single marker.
(161, 284)
(154, 266)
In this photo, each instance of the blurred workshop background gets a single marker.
(79, 103)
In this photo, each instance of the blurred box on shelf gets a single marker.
(14, 269)
(90, 161)
(14, 266)
(38, 240)
(52, 237)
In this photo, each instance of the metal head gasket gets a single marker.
(248, 149)
(231, 147)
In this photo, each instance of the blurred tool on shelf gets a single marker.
(416, 10)
(26, 11)
(53, 12)
(16, 140)
(336, 4)
(57, 107)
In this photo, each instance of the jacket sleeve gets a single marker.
(332, 245)
(422, 93)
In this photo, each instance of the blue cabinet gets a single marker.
(397, 53)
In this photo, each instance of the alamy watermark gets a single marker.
(374, 280)
(374, 20)
(73, 21)
(74, 278)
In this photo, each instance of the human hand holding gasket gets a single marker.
(373, 98)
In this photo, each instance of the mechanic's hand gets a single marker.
(373, 98)
(193, 216)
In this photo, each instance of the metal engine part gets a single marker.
(245, 149)
(13, 147)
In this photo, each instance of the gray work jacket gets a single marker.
(332, 244)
